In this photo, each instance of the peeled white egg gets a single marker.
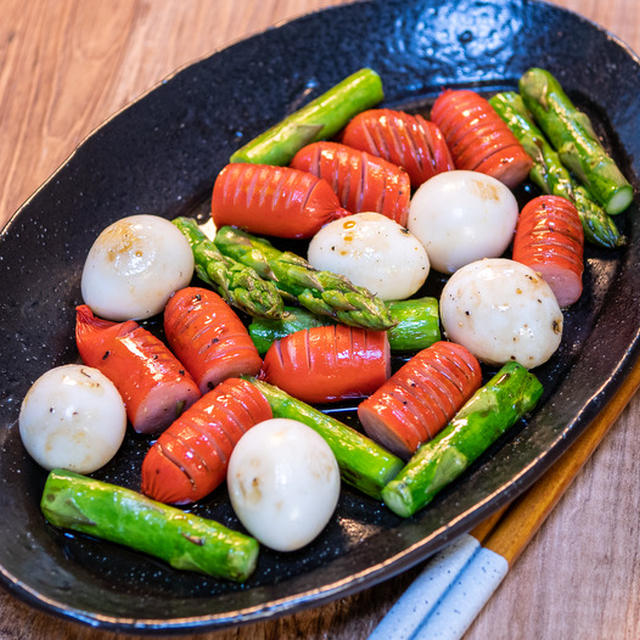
(284, 482)
(502, 310)
(462, 216)
(372, 251)
(72, 418)
(134, 266)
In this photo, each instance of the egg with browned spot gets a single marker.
(72, 418)
(134, 266)
(372, 251)
(283, 482)
(502, 310)
(462, 216)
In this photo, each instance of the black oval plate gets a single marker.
(161, 155)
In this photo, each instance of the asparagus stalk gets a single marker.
(417, 325)
(363, 463)
(571, 133)
(322, 292)
(238, 284)
(264, 332)
(318, 120)
(182, 539)
(512, 392)
(550, 174)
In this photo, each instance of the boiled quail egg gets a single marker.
(462, 216)
(72, 418)
(284, 482)
(372, 251)
(502, 310)
(134, 266)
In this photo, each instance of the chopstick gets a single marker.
(433, 583)
(456, 583)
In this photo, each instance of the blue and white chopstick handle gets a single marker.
(445, 598)
(464, 600)
(422, 595)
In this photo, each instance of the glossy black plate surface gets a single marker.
(161, 155)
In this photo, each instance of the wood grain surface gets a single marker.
(66, 66)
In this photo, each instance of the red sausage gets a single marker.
(327, 364)
(362, 181)
(276, 201)
(189, 460)
(208, 337)
(421, 397)
(550, 239)
(152, 382)
(411, 142)
(478, 138)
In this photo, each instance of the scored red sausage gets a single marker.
(275, 201)
(362, 182)
(421, 397)
(478, 138)
(154, 385)
(409, 141)
(550, 239)
(327, 364)
(208, 337)
(190, 459)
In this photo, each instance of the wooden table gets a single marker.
(65, 66)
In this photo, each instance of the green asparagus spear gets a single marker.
(512, 392)
(321, 292)
(363, 463)
(182, 539)
(550, 174)
(318, 120)
(571, 133)
(417, 325)
(264, 331)
(238, 284)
